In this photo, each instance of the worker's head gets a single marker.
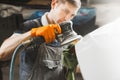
(63, 10)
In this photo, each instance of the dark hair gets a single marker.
(75, 3)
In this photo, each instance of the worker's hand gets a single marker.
(48, 32)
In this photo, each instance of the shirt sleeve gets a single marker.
(29, 24)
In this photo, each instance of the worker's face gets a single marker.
(63, 12)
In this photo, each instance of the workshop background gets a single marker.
(92, 15)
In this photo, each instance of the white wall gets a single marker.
(103, 1)
(106, 10)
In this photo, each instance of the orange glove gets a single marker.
(48, 32)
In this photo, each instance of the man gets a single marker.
(47, 55)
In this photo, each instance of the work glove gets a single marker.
(70, 62)
(48, 32)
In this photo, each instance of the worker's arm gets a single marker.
(11, 43)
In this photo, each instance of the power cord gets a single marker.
(17, 50)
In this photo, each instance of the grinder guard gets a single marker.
(68, 35)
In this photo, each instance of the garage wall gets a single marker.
(103, 1)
